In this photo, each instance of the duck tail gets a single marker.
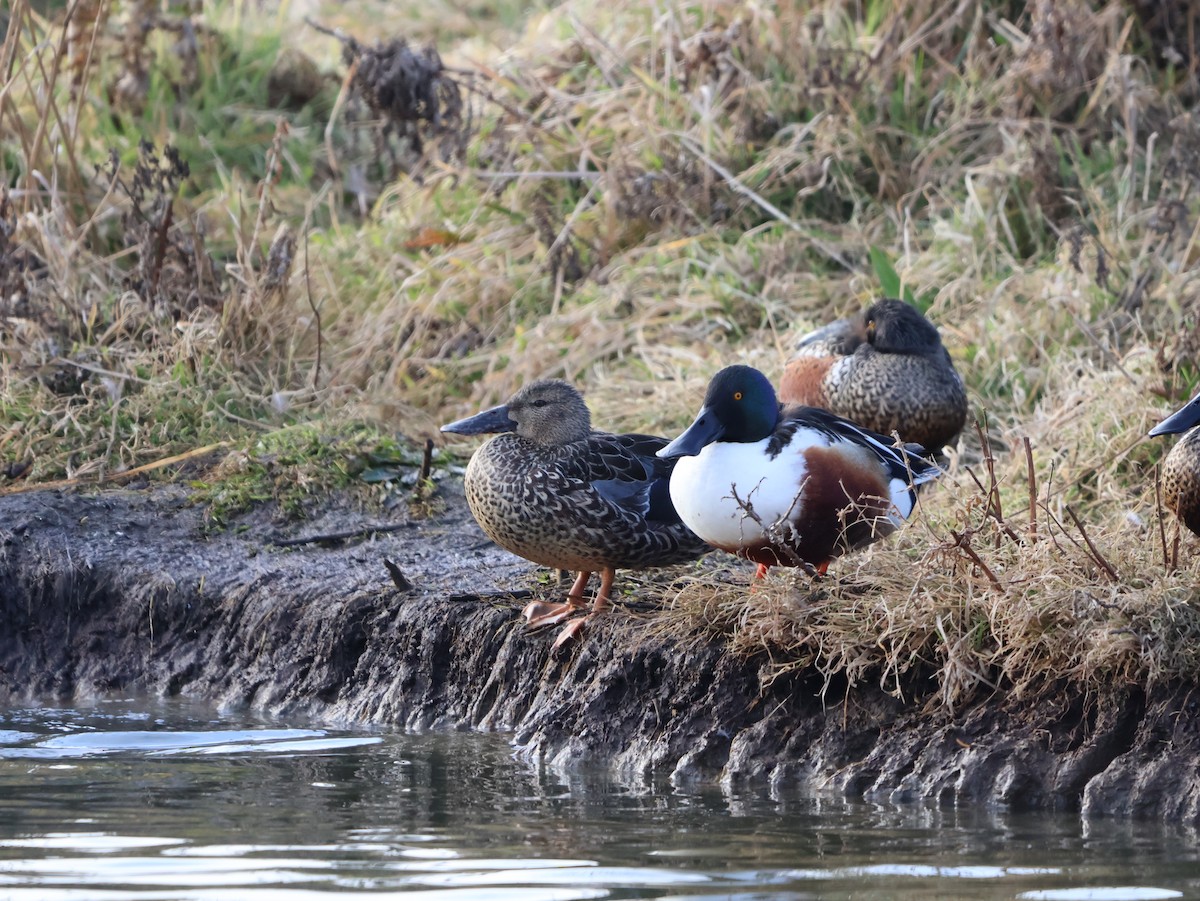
(924, 465)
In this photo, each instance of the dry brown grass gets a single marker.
(644, 195)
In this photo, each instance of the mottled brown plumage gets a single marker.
(885, 369)
(1181, 468)
(552, 490)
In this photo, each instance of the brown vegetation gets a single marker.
(631, 201)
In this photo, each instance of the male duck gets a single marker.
(1181, 469)
(553, 491)
(788, 486)
(886, 369)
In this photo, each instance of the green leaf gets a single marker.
(889, 279)
(380, 474)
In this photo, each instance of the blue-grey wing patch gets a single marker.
(624, 471)
(838, 338)
(631, 496)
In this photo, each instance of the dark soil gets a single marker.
(121, 591)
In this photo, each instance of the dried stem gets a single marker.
(1032, 488)
(963, 542)
(426, 461)
(1158, 509)
(1096, 555)
(993, 488)
(316, 376)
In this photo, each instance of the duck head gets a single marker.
(549, 412)
(894, 326)
(1180, 421)
(740, 406)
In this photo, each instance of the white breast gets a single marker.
(727, 490)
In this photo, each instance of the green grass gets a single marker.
(297, 467)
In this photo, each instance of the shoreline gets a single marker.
(120, 590)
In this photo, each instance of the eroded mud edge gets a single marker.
(121, 591)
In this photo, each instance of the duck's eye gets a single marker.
(540, 403)
(737, 395)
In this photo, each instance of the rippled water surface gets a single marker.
(154, 800)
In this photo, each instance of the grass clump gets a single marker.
(231, 228)
(298, 467)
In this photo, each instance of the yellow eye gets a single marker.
(737, 395)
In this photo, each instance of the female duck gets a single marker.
(1181, 469)
(886, 369)
(791, 486)
(551, 490)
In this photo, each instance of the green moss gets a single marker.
(297, 467)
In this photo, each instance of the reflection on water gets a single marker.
(156, 800)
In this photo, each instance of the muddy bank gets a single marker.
(121, 591)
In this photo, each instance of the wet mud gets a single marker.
(122, 591)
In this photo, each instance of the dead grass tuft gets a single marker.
(412, 96)
(173, 271)
(1063, 55)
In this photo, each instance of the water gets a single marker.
(127, 801)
